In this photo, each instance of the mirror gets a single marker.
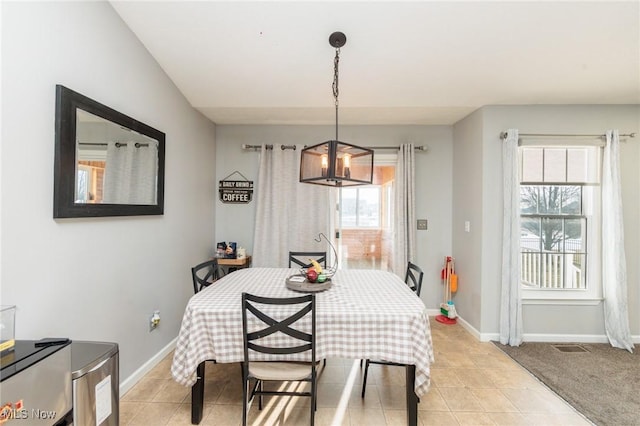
(106, 163)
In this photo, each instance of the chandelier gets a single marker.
(336, 163)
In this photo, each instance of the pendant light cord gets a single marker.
(336, 61)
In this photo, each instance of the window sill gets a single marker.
(574, 302)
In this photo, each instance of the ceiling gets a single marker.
(420, 62)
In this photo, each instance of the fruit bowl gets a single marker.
(301, 284)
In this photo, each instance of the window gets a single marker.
(361, 207)
(559, 219)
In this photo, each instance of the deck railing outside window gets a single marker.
(545, 270)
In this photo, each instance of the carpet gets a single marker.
(601, 382)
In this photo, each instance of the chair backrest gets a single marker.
(413, 278)
(301, 258)
(205, 274)
(284, 337)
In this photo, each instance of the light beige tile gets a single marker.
(333, 373)
(330, 395)
(157, 413)
(509, 419)
(298, 416)
(437, 418)
(472, 382)
(493, 360)
(223, 392)
(172, 391)
(460, 399)
(332, 417)
(473, 419)
(557, 419)
(432, 401)
(473, 378)
(512, 379)
(182, 416)
(387, 375)
(493, 400)
(145, 390)
(367, 417)
(371, 397)
(128, 410)
(161, 371)
(392, 397)
(397, 418)
(460, 359)
(223, 372)
(212, 390)
(536, 401)
(279, 410)
(445, 378)
(223, 415)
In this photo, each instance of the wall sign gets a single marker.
(235, 191)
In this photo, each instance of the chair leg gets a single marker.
(260, 395)
(364, 379)
(314, 386)
(313, 402)
(245, 395)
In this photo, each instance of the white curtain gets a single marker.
(289, 214)
(130, 174)
(614, 266)
(511, 303)
(404, 210)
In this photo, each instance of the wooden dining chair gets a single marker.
(205, 274)
(413, 278)
(301, 258)
(280, 338)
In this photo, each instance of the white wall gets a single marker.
(433, 182)
(565, 320)
(96, 278)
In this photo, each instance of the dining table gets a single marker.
(363, 314)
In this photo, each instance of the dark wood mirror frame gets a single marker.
(64, 205)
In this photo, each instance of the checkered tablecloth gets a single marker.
(365, 314)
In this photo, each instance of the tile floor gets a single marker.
(473, 383)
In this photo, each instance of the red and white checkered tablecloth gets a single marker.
(365, 314)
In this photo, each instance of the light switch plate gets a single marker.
(422, 224)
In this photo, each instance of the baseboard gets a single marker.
(534, 337)
(129, 382)
(564, 338)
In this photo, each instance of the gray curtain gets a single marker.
(289, 214)
(511, 301)
(404, 210)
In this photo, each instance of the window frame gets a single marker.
(357, 208)
(590, 212)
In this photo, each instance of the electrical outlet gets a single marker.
(422, 224)
(154, 320)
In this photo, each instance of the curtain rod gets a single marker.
(283, 147)
(503, 135)
(417, 148)
(118, 144)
